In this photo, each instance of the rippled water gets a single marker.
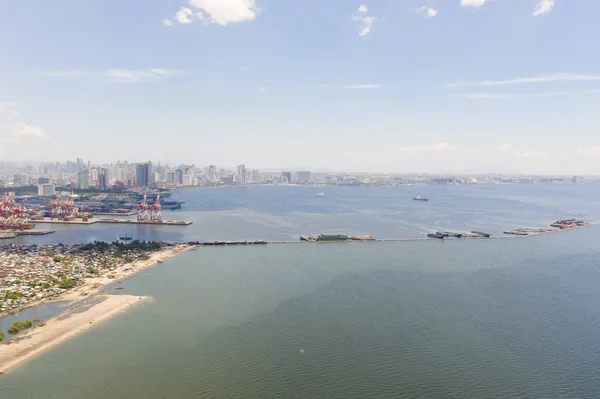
(283, 213)
(514, 318)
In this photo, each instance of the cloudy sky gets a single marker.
(378, 85)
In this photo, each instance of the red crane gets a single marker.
(142, 210)
(156, 210)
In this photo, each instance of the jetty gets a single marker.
(87, 221)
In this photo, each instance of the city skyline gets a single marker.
(461, 86)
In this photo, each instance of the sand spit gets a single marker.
(60, 328)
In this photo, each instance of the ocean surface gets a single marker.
(498, 318)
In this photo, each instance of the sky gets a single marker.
(437, 86)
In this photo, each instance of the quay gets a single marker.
(15, 233)
(113, 213)
(33, 232)
(123, 221)
(149, 222)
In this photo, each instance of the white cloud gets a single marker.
(359, 86)
(18, 132)
(543, 7)
(167, 22)
(428, 11)
(183, 16)
(121, 75)
(512, 96)
(472, 3)
(592, 152)
(557, 77)
(441, 147)
(365, 22)
(22, 130)
(220, 12)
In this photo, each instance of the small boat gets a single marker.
(159, 261)
(319, 194)
(419, 198)
(125, 238)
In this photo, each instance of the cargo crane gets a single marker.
(142, 210)
(55, 209)
(156, 210)
(13, 217)
(68, 210)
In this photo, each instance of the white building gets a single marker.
(83, 179)
(46, 190)
(240, 177)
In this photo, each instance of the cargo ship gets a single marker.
(332, 237)
(419, 198)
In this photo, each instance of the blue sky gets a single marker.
(382, 85)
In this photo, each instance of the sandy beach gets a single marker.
(93, 285)
(60, 328)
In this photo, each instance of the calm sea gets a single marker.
(511, 318)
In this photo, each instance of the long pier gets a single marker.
(255, 242)
(115, 221)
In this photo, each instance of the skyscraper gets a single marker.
(143, 174)
(212, 172)
(103, 179)
(83, 179)
(241, 177)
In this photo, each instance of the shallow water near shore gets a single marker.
(514, 318)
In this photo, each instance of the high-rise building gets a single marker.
(240, 177)
(576, 180)
(103, 179)
(303, 177)
(94, 177)
(83, 179)
(143, 174)
(46, 190)
(286, 177)
(212, 172)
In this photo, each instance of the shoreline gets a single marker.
(57, 329)
(94, 285)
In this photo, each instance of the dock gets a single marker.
(148, 222)
(33, 232)
(116, 221)
(15, 233)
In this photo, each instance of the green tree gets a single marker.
(67, 283)
(1, 336)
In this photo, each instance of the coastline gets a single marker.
(94, 285)
(58, 329)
